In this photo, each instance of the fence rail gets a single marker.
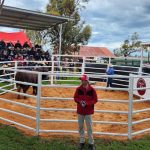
(18, 124)
(53, 77)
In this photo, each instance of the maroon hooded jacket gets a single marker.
(89, 96)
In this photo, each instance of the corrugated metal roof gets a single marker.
(26, 19)
(95, 51)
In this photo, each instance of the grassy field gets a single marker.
(66, 81)
(12, 139)
(7, 88)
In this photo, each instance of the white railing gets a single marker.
(130, 123)
(60, 67)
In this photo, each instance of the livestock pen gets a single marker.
(53, 112)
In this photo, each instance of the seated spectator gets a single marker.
(31, 52)
(2, 45)
(24, 52)
(26, 58)
(10, 45)
(37, 56)
(18, 50)
(37, 46)
(18, 45)
(47, 56)
(2, 58)
(21, 60)
(12, 53)
(10, 58)
(26, 45)
(5, 52)
(15, 52)
(5, 58)
(15, 58)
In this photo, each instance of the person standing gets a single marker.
(110, 71)
(85, 96)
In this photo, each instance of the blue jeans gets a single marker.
(109, 82)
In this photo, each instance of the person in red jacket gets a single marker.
(85, 96)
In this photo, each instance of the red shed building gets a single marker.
(89, 51)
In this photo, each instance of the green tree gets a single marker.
(35, 36)
(74, 33)
(129, 46)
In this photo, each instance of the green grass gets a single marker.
(76, 82)
(7, 88)
(12, 139)
(67, 82)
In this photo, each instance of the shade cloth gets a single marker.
(14, 37)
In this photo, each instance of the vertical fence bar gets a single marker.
(130, 106)
(16, 64)
(60, 41)
(52, 71)
(109, 60)
(141, 62)
(38, 103)
(83, 66)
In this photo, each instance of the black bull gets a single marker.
(30, 78)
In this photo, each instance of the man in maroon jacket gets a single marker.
(85, 97)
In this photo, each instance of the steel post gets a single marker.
(38, 103)
(130, 106)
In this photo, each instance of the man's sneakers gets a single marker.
(91, 147)
(81, 146)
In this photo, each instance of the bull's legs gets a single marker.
(25, 88)
(34, 90)
(18, 90)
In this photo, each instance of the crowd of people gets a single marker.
(26, 52)
(18, 52)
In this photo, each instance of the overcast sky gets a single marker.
(112, 21)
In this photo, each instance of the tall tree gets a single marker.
(74, 33)
(129, 46)
(35, 36)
